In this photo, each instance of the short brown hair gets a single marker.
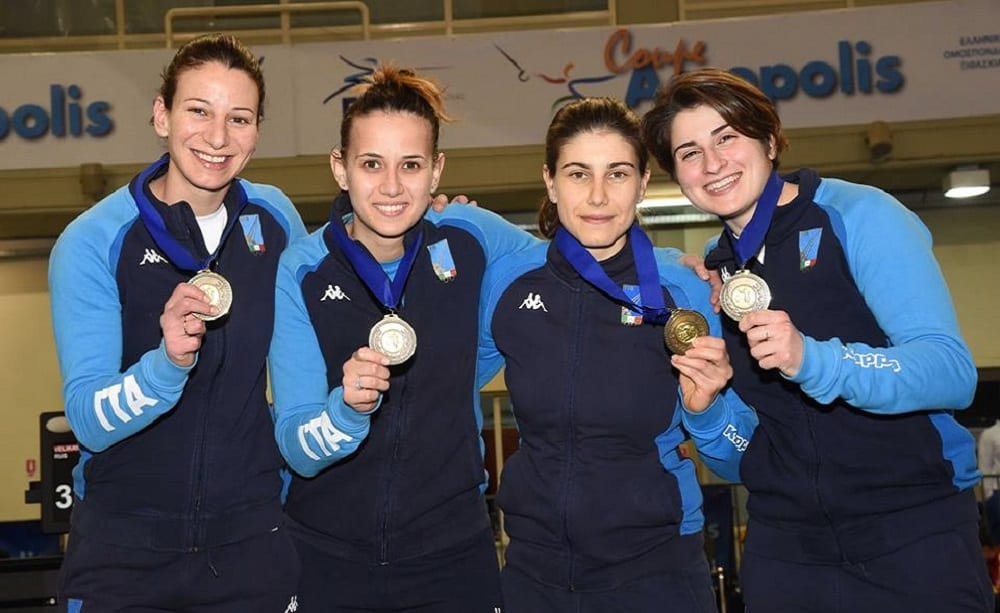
(744, 107)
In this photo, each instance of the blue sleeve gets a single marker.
(927, 364)
(722, 431)
(313, 426)
(281, 207)
(710, 244)
(103, 403)
(498, 236)
(498, 278)
(684, 471)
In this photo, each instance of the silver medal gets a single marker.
(218, 291)
(744, 292)
(394, 338)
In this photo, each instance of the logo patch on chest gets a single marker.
(809, 248)
(442, 261)
(252, 233)
(630, 316)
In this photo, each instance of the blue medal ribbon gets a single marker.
(651, 301)
(749, 243)
(157, 226)
(388, 291)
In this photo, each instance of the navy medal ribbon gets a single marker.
(157, 227)
(752, 238)
(388, 292)
(651, 301)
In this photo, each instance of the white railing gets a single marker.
(285, 10)
(700, 9)
(286, 32)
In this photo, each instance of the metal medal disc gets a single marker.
(683, 327)
(743, 293)
(218, 291)
(394, 338)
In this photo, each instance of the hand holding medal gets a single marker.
(181, 325)
(207, 296)
(704, 372)
(366, 376)
(683, 326)
(774, 341)
(394, 338)
(218, 292)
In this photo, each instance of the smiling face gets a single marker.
(211, 131)
(389, 170)
(596, 185)
(720, 170)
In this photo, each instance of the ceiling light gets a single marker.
(664, 195)
(664, 202)
(966, 182)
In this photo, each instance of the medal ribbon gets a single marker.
(157, 227)
(752, 238)
(388, 292)
(652, 305)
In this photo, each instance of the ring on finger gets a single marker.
(357, 383)
(184, 325)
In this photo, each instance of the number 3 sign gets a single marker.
(59, 453)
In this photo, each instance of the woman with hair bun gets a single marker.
(374, 371)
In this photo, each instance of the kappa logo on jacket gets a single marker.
(533, 302)
(333, 292)
(293, 605)
(152, 257)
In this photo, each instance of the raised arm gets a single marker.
(104, 403)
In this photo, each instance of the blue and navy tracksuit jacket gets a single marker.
(172, 458)
(858, 454)
(407, 479)
(597, 494)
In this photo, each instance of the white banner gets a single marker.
(933, 60)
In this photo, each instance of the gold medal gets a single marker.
(744, 292)
(683, 327)
(218, 291)
(394, 338)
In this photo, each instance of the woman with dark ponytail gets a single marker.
(603, 511)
